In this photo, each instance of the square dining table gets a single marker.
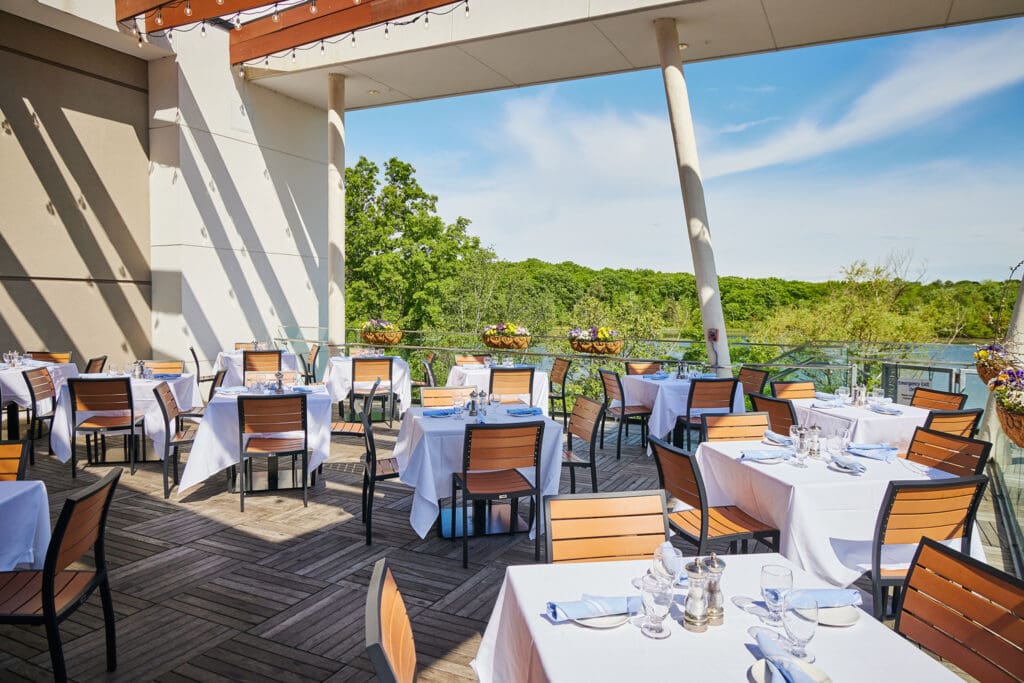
(479, 376)
(521, 644)
(231, 363)
(667, 399)
(25, 515)
(868, 425)
(14, 392)
(338, 378)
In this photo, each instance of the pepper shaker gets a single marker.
(279, 388)
(716, 599)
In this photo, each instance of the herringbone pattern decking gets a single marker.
(205, 593)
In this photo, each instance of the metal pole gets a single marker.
(335, 209)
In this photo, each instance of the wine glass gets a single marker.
(800, 619)
(667, 563)
(656, 594)
(794, 435)
(834, 445)
(457, 407)
(843, 394)
(776, 582)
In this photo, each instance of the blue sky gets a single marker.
(909, 145)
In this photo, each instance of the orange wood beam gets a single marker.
(126, 9)
(201, 9)
(297, 26)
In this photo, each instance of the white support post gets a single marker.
(335, 209)
(991, 430)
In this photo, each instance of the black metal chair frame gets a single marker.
(976, 412)
(200, 377)
(374, 628)
(102, 360)
(560, 394)
(504, 371)
(952, 394)
(35, 420)
(98, 451)
(591, 461)
(171, 444)
(686, 421)
(370, 475)
(624, 419)
(764, 380)
(309, 366)
(245, 457)
(756, 398)
(386, 399)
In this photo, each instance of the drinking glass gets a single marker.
(847, 438)
(802, 448)
(835, 445)
(776, 582)
(843, 394)
(800, 619)
(794, 435)
(457, 407)
(656, 594)
(667, 564)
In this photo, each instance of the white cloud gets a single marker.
(746, 125)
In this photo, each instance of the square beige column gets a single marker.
(335, 209)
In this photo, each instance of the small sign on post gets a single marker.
(905, 389)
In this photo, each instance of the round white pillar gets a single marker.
(335, 209)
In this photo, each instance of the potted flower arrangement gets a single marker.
(381, 332)
(1008, 387)
(595, 339)
(990, 361)
(506, 336)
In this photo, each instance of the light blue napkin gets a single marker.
(439, 412)
(525, 411)
(765, 454)
(231, 390)
(167, 375)
(589, 606)
(304, 390)
(819, 404)
(826, 597)
(709, 375)
(781, 665)
(824, 396)
(871, 446)
(661, 374)
(849, 463)
(885, 410)
(883, 454)
(780, 439)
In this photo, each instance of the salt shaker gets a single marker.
(279, 387)
(695, 609)
(716, 599)
(814, 441)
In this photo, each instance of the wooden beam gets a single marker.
(297, 26)
(174, 15)
(126, 9)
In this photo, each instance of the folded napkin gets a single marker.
(525, 411)
(439, 412)
(782, 667)
(589, 606)
(849, 463)
(231, 390)
(765, 454)
(661, 374)
(824, 396)
(708, 375)
(775, 437)
(869, 446)
(884, 454)
(167, 375)
(672, 562)
(304, 390)
(820, 404)
(825, 597)
(885, 410)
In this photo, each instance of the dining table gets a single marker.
(338, 378)
(826, 517)
(666, 397)
(14, 392)
(429, 451)
(479, 376)
(216, 445)
(183, 386)
(521, 643)
(868, 424)
(231, 362)
(25, 515)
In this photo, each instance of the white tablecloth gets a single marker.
(667, 400)
(429, 450)
(12, 383)
(186, 394)
(826, 518)
(480, 377)
(216, 445)
(232, 362)
(868, 426)
(521, 645)
(25, 514)
(338, 378)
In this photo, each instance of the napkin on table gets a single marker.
(167, 375)
(749, 454)
(782, 667)
(303, 390)
(824, 396)
(885, 453)
(819, 404)
(777, 438)
(231, 390)
(885, 410)
(849, 463)
(525, 411)
(661, 374)
(439, 412)
(826, 597)
(589, 606)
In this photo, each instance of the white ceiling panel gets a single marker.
(804, 22)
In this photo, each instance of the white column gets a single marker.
(991, 430)
(335, 209)
(693, 194)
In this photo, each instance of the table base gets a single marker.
(13, 425)
(275, 478)
(496, 518)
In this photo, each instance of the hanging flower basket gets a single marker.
(506, 341)
(1013, 425)
(612, 347)
(990, 360)
(382, 338)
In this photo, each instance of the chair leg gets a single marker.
(878, 593)
(535, 519)
(453, 506)
(572, 479)
(368, 512)
(618, 441)
(513, 516)
(602, 433)
(465, 532)
(74, 457)
(305, 479)
(241, 486)
(167, 488)
(60, 672)
(366, 484)
(593, 476)
(108, 624)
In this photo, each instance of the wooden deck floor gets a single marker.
(203, 592)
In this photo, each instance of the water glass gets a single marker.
(656, 594)
(802, 448)
(667, 564)
(843, 394)
(834, 444)
(800, 621)
(457, 408)
(776, 583)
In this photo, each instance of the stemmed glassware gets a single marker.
(802, 448)
(776, 583)
(842, 395)
(667, 565)
(800, 619)
(656, 593)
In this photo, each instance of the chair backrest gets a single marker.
(753, 380)
(435, 397)
(956, 422)
(96, 364)
(50, 356)
(734, 426)
(368, 399)
(161, 367)
(107, 393)
(369, 369)
(80, 528)
(599, 527)
(964, 611)
(959, 455)
(512, 381)
(195, 360)
(502, 446)
(314, 353)
(470, 359)
(40, 385)
(218, 381)
(389, 640)
(933, 399)
(585, 420)
(712, 394)
(165, 399)
(643, 367)
(261, 361)
(942, 510)
(612, 385)
(793, 390)
(679, 474)
(371, 443)
(270, 414)
(245, 346)
(781, 414)
(13, 460)
(428, 370)
(559, 371)
(250, 378)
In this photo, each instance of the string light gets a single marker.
(385, 31)
(353, 37)
(241, 71)
(321, 48)
(238, 22)
(159, 17)
(170, 35)
(426, 20)
(467, 9)
(140, 41)
(293, 55)
(266, 61)
(188, 8)
(277, 15)
(312, 7)
(202, 29)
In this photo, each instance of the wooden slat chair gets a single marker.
(49, 596)
(375, 469)
(178, 432)
(492, 456)
(679, 474)
(50, 356)
(959, 455)
(165, 367)
(200, 377)
(793, 390)
(622, 413)
(601, 527)
(956, 422)
(254, 377)
(356, 430)
(510, 383)
(965, 611)
(942, 510)
(261, 361)
(113, 394)
(389, 640)
(752, 380)
(42, 401)
(706, 396)
(643, 367)
(781, 413)
(245, 346)
(734, 426)
(369, 370)
(428, 376)
(933, 399)
(13, 460)
(471, 359)
(96, 365)
(309, 364)
(216, 382)
(558, 394)
(263, 415)
(584, 423)
(442, 397)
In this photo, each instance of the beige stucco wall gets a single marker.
(74, 197)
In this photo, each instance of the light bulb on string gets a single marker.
(238, 22)
(467, 9)
(202, 29)
(188, 8)
(426, 20)
(312, 7)
(241, 71)
(385, 31)
(321, 48)
(353, 37)
(170, 35)
(266, 61)
(140, 41)
(277, 15)
(159, 17)
(293, 55)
